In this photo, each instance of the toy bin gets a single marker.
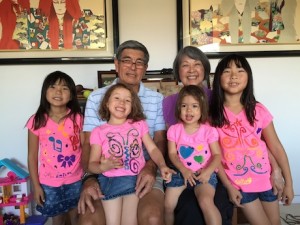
(36, 220)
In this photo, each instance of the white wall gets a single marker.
(154, 24)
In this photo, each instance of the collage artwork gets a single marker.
(244, 22)
(52, 24)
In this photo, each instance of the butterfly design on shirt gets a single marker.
(125, 147)
(243, 149)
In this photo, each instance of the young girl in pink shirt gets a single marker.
(117, 153)
(247, 132)
(194, 150)
(54, 149)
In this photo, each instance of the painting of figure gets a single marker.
(52, 24)
(244, 22)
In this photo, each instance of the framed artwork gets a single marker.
(153, 84)
(106, 77)
(58, 31)
(254, 28)
(165, 86)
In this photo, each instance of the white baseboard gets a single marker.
(296, 199)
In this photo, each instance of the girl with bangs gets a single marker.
(54, 149)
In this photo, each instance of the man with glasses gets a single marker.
(131, 63)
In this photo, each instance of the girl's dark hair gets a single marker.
(199, 95)
(193, 53)
(136, 113)
(217, 112)
(42, 113)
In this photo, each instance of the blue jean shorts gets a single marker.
(113, 187)
(265, 196)
(59, 200)
(178, 181)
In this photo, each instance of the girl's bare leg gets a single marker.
(171, 199)
(129, 210)
(255, 213)
(205, 195)
(113, 211)
(272, 211)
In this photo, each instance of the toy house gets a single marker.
(15, 193)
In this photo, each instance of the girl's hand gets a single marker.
(166, 173)
(189, 176)
(203, 176)
(110, 163)
(39, 195)
(287, 195)
(235, 196)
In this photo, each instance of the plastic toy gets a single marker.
(14, 191)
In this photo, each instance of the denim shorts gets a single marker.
(178, 181)
(59, 200)
(113, 187)
(265, 196)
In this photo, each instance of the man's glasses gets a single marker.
(129, 62)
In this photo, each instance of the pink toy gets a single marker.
(14, 189)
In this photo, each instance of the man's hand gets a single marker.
(145, 179)
(90, 191)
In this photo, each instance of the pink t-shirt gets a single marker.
(123, 142)
(59, 151)
(244, 153)
(193, 149)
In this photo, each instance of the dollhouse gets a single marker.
(14, 191)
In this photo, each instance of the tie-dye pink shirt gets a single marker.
(244, 153)
(123, 142)
(59, 151)
(193, 149)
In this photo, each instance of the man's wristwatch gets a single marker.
(87, 176)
